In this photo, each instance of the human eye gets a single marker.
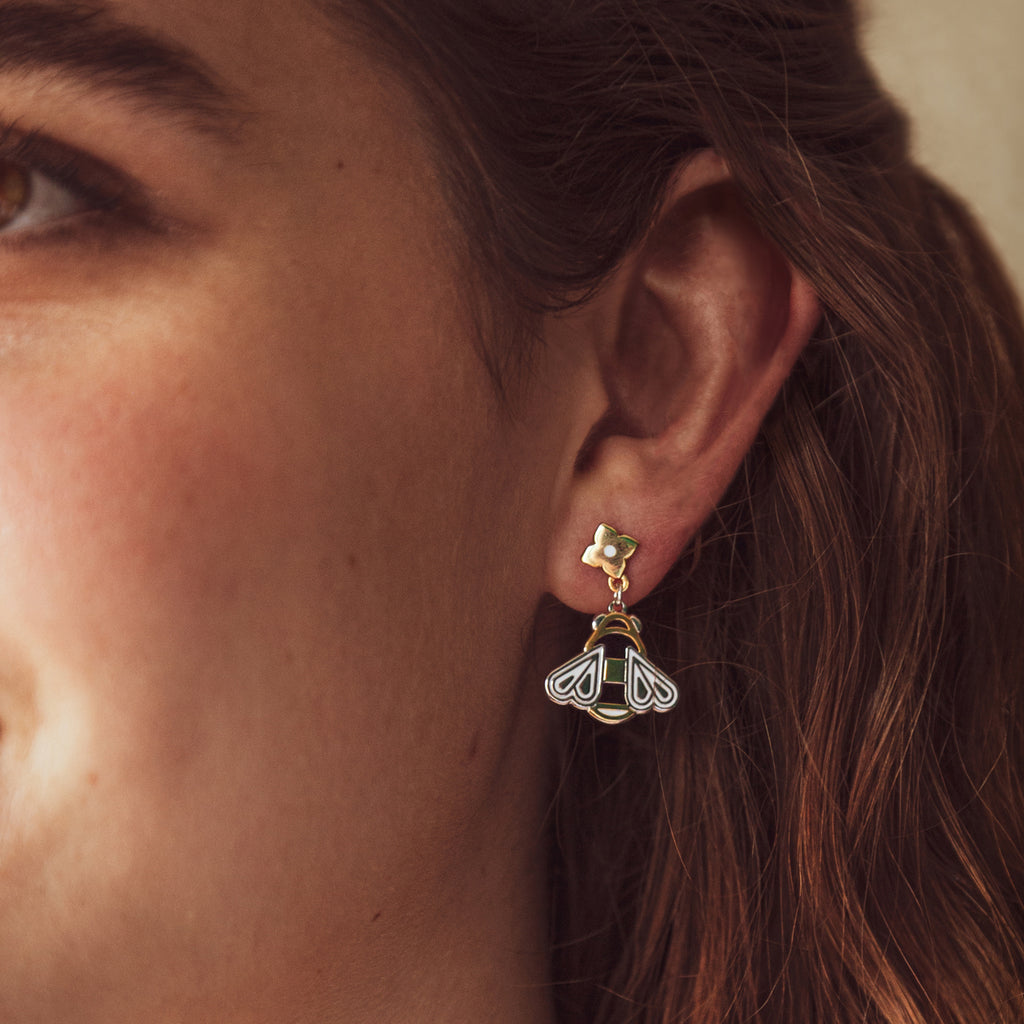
(53, 192)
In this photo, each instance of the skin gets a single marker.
(267, 557)
(273, 745)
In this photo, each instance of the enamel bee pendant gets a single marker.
(612, 688)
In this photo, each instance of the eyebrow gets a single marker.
(88, 43)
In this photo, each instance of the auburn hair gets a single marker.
(829, 826)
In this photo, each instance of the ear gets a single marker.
(695, 333)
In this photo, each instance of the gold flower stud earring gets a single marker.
(609, 552)
(612, 689)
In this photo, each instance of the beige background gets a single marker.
(958, 67)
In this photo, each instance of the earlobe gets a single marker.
(709, 319)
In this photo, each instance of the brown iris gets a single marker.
(14, 191)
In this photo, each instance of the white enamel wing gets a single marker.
(578, 681)
(647, 686)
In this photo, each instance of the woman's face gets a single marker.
(267, 547)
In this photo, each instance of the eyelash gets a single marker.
(112, 201)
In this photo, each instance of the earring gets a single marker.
(612, 689)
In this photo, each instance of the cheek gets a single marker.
(117, 503)
(203, 560)
(137, 514)
(131, 505)
(138, 520)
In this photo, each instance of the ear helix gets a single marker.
(593, 680)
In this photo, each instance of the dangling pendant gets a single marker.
(612, 689)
